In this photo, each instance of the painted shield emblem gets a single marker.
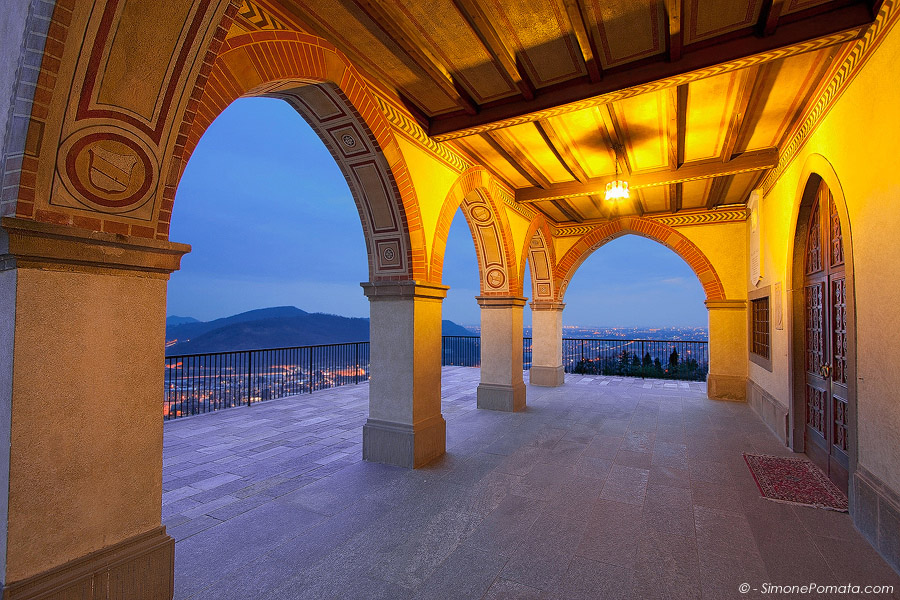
(110, 171)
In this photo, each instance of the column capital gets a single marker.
(36, 245)
(726, 304)
(394, 290)
(500, 301)
(547, 305)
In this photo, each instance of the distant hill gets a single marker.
(175, 320)
(277, 327)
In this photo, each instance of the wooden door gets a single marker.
(827, 414)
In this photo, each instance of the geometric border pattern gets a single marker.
(852, 64)
(674, 220)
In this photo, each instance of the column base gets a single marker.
(726, 387)
(402, 445)
(140, 567)
(547, 376)
(509, 398)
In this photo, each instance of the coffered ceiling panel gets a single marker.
(583, 133)
(532, 151)
(540, 35)
(739, 190)
(368, 44)
(484, 153)
(627, 31)
(457, 46)
(782, 95)
(706, 19)
(694, 193)
(655, 199)
(709, 107)
(643, 124)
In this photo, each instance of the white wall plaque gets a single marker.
(756, 269)
(777, 311)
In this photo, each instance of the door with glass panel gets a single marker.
(827, 413)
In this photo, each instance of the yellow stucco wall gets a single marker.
(859, 140)
(725, 245)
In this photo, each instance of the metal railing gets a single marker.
(659, 359)
(200, 383)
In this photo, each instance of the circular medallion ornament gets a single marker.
(348, 140)
(495, 278)
(481, 214)
(388, 254)
(108, 169)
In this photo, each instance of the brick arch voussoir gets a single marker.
(475, 179)
(248, 64)
(663, 234)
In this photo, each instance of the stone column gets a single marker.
(82, 335)
(546, 344)
(502, 386)
(405, 425)
(728, 349)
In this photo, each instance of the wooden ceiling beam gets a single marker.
(575, 10)
(768, 16)
(746, 162)
(742, 102)
(416, 48)
(561, 150)
(677, 110)
(675, 196)
(569, 211)
(674, 37)
(493, 42)
(517, 159)
(797, 37)
(717, 190)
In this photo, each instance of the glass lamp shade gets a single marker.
(617, 190)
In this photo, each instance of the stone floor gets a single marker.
(604, 488)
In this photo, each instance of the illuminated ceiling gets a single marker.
(699, 94)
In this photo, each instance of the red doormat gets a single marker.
(795, 481)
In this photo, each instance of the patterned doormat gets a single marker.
(795, 481)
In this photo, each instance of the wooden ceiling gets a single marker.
(696, 95)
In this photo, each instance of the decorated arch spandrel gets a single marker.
(540, 255)
(475, 192)
(665, 235)
(108, 142)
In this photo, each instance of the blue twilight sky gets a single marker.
(272, 222)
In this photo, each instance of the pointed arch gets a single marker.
(475, 191)
(665, 235)
(320, 83)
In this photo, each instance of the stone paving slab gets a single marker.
(607, 487)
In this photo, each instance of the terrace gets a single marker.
(608, 487)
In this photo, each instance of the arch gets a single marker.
(474, 191)
(319, 82)
(647, 228)
(540, 254)
(817, 169)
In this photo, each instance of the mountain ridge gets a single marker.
(275, 327)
